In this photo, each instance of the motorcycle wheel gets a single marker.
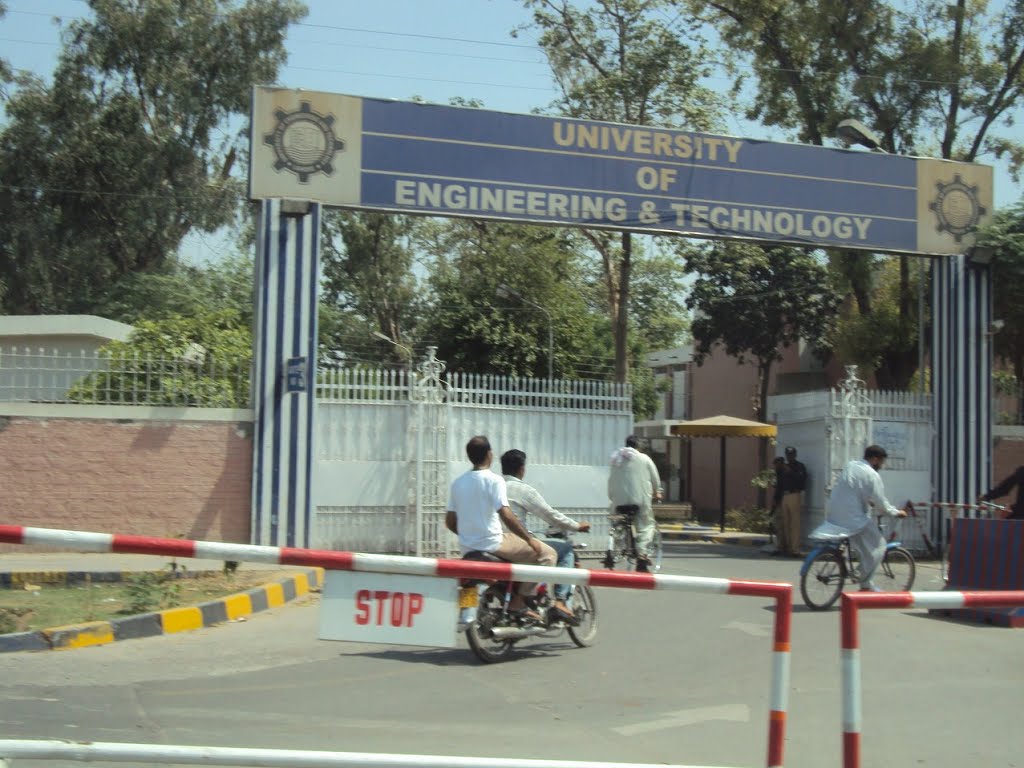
(585, 608)
(487, 649)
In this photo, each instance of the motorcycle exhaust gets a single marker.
(516, 633)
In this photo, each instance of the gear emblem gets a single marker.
(957, 207)
(304, 142)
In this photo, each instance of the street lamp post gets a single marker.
(504, 292)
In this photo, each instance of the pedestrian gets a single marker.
(859, 486)
(1016, 479)
(787, 502)
(633, 480)
(477, 508)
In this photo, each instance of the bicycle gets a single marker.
(622, 540)
(828, 567)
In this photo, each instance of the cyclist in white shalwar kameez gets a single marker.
(859, 486)
(633, 479)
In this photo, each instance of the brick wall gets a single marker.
(1007, 455)
(152, 478)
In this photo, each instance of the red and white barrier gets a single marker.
(780, 592)
(850, 643)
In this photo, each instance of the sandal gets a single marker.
(559, 615)
(526, 614)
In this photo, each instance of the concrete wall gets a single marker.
(130, 472)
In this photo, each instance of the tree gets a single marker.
(756, 300)
(200, 360)
(477, 331)
(952, 70)
(107, 169)
(617, 60)
(5, 69)
(1006, 235)
(368, 282)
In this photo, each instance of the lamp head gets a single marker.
(851, 131)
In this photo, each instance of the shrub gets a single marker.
(748, 519)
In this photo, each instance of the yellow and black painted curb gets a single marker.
(166, 622)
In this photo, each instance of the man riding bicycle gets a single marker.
(524, 500)
(633, 481)
(858, 486)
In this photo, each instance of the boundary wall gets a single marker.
(781, 593)
(182, 472)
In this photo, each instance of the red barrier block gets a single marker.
(987, 555)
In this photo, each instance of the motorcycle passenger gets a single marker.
(525, 500)
(633, 479)
(477, 507)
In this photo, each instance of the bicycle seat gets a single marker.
(627, 509)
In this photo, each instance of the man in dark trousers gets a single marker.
(1015, 479)
(790, 483)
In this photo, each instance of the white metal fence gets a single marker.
(194, 379)
(388, 443)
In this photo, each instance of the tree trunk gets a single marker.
(621, 324)
(764, 370)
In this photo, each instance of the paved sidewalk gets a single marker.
(694, 532)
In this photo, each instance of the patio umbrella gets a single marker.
(722, 427)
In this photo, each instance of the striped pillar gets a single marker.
(961, 379)
(287, 266)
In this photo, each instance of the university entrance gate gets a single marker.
(311, 149)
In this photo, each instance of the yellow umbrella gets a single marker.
(722, 427)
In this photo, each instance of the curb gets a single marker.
(741, 540)
(170, 621)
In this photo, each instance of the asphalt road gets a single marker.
(674, 678)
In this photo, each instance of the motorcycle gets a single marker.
(492, 631)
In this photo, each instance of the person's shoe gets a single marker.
(643, 566)
(871, 588)
(557, 614)
(526, 614)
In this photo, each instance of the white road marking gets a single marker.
(737, 713)
(757, 630)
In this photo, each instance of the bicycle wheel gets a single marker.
(823, 581)
(585, 607)
(479, 635)
(897, 571)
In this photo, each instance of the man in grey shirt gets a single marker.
(525, 500)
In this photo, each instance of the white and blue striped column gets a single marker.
(961, 379)
(284, 375)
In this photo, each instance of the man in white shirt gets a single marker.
(525, 500)
(477, 507)
(633, 479)
(858, 486)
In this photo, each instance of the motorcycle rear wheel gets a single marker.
(487, 649)
(585, 607)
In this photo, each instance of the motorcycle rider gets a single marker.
(524, 499)
(477, 507)
(633, 479)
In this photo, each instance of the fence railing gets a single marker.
(199, 380)
(96, 377)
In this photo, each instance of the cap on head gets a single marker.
(632, 441)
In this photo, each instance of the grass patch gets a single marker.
(31, 609)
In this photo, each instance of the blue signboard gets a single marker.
(449, 161)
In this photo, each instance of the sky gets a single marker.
(400, 49)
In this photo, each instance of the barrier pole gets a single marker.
(849, 640)
(87, 751)
(780, 592)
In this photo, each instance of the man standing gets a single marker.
(858, 486)
(787, 503)
(633, 479)
(477, 507)
(525, 500)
